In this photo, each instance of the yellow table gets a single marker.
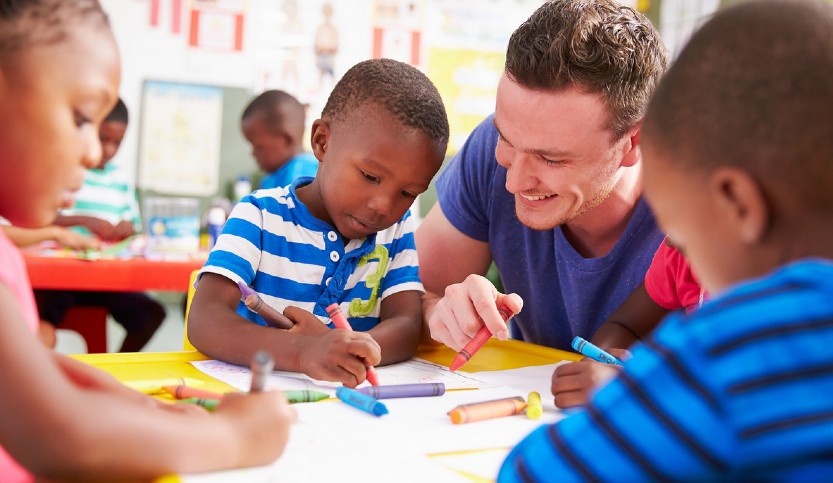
(495, 355)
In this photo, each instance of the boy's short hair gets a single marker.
(598, 47)
(119, 112)
(753, 89)
(283, 112)
(400, 88)
(29, 22)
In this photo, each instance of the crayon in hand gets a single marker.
(479, 339)
(258, 306)
(498, 408)
(262, 364)
(340, 321)
(594, 352)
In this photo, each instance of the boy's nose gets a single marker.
(381, 205)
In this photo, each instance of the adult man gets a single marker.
(549, 187)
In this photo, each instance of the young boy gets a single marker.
(738, 169)
(106, 208)
(61, 420)
(274, 124)
(344, 237)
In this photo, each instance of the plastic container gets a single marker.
(173, 228)
(216, 220)
(242, 187)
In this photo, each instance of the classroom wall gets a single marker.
(246, 46)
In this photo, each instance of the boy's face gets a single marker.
(52, 100)
(372, 168)
(686, 209)
(111, 134)
(558, 153)
(270, 149)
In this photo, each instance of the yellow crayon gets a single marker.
(533, 406)
(157, 386)
(468, 413)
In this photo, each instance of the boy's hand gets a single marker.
(305, 322)
(260, 422)
(572, 384)
(75, 241)
(340, 356)
(101, 229)
(123, 230)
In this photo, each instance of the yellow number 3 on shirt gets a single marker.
(362, 308)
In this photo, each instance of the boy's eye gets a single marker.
(407, 194)
(371, 178)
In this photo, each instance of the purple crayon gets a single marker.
(256, 305)
(404, 390)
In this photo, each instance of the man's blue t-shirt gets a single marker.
(564, 293)
(303, 164)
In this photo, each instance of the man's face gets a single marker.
(561, 159)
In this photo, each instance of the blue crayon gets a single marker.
(361, 401)
(594, 352)
(404, 390)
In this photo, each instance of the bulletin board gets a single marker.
(180, 138)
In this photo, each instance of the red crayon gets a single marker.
(186, 392)
(334, 311)
(477, 341)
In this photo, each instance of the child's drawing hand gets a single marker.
(75, 241)
(260, 422)
(340, 356)
(572, 384)
(305, 322)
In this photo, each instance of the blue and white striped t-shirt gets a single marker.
(272, 243)
(739, 390)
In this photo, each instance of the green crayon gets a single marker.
(208, 404)
(305, 395)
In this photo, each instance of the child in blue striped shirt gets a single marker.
(738, 169)
(345, 237)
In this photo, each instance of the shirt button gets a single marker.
(334, 256)
(329, 279)
(332, 236)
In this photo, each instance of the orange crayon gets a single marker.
(186, 392)
(498, 408)
(340, 321)
(474, 345)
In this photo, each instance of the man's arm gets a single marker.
(458, 299)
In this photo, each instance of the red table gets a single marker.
(116, 275)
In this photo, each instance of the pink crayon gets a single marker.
(256, 305)
(340, 321)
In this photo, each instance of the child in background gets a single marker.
(738, 165)
(669, 285)
(105, 207)
(274, 123)
(345, 236)
(60, 419)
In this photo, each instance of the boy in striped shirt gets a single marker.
(738, 158)
(105, 207)
(345, 237)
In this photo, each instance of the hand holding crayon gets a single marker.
(594, 352)
(340, 321)
(474, 345)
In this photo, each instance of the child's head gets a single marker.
(59, 76)
(273, 123)
(111, 132)
(738, 141)
(382, 136)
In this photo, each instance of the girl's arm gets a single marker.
(64, 421)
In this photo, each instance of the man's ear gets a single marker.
(632, 149)
(319, 138)
(741, 199)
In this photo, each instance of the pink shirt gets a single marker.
(13, 275)
(670, 282)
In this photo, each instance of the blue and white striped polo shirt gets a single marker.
(272, 243)
(740, 390)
